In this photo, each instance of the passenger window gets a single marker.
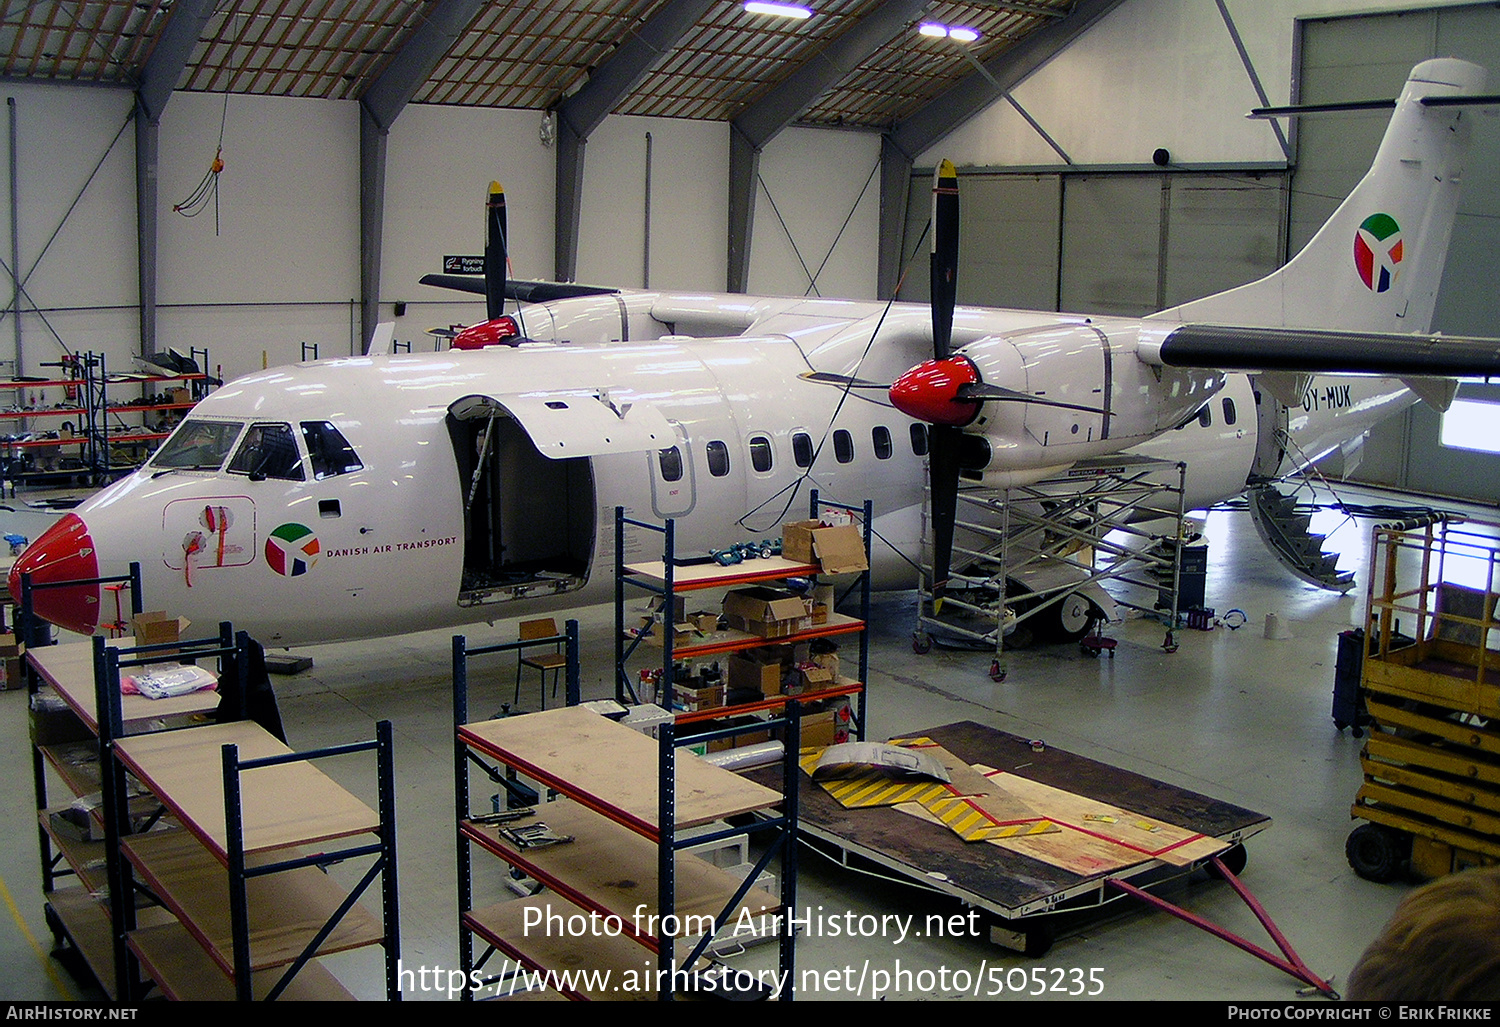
(718, 459)
(881, 437)
(198, 445)
(843, 446)
(919, 439)
(670, 461)
(802, 449)
(328, 450)
(269, 451)
(761, 456)
(1205, 417)
(1229, 414)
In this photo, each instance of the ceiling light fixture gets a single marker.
(777, 10)
(958, 33)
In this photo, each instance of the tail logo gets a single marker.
(292, 549)
(1378, 251)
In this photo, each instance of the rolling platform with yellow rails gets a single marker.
(1431, 792)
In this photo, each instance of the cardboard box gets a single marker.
(831, 727)
(839, 549)
(691, 699)
(704, 621)
(10, 648)
(767, 612)
(156, 628)
(758, 670)
(811, 678)
(15, 675)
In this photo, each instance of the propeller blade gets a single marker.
(1000, 394)
(944, 257)
(495, 255)
(843, 381)
(944, 442)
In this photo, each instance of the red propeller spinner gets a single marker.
(930, 392)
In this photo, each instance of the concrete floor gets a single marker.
(1231, 714)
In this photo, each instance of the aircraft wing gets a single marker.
(522, 292)
(1307, 351)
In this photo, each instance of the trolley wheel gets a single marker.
(921, 643)
(1377, 853)
(997, 673)
(1234, 860)
(1089, 650)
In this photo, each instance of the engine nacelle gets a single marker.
(1084, 394)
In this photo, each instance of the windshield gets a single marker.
(198, 445)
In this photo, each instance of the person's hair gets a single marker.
(1441, 945)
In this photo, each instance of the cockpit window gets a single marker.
(198, 445)
(329, 451)
(269, 451)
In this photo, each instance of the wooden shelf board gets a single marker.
(611, 869)
(286, 909)
(185, 769)
(503, 925)
(77, 763)
(183, 971)
(730, 640)
(87, 925)
(844, 687)
(69, 669)
(711, 575)
(613, 769)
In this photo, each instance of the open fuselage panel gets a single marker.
(528, 520)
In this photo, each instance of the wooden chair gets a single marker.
(555, 661)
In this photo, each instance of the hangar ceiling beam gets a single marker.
(380, 104)
(759, 123)
(158, 78)
(945, 113)
(578, 115)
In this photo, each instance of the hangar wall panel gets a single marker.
(689, 204)
(1008, 240)
(817, 215)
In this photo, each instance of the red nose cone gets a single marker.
(929, 392)
(64, 552)
(487, 333)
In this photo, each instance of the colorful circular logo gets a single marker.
(292, 549)
(1378, 252)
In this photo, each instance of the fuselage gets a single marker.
(454, 494)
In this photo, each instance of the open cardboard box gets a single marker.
(155, 628)
(839, 549)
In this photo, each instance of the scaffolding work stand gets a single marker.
(1027, 557)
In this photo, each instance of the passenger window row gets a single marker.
(762, 453)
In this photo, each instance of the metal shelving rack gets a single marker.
(616, 819)
(667, 580)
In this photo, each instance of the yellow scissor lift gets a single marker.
(1431, 793)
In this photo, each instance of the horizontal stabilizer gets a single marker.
(1308, 351)
(1355, 106)
(522, 292)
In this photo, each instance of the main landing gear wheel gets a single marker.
(1377, 853)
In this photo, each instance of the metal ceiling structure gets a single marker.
(854, 63)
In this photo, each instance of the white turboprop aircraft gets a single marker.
(366, 496)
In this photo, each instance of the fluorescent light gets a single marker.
(956, 33)
(778, 10)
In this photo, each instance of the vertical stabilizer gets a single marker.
(1376, 264)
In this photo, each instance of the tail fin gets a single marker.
(1376, 264)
